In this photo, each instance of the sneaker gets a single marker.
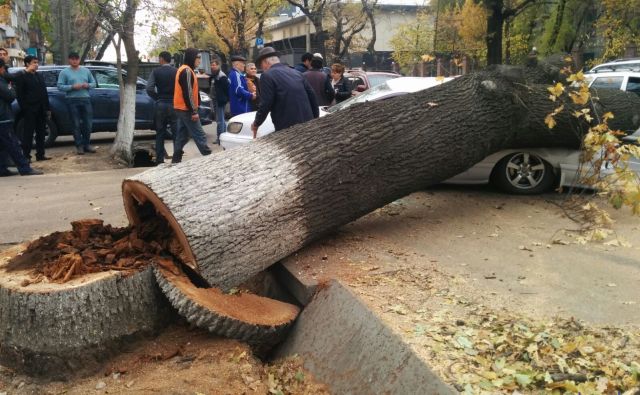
(7, 173)
(89, 149)
(32, 172)
(41, 158)
(79, 150)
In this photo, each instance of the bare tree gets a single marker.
(314, 10)
(349, 20)
(119, 18)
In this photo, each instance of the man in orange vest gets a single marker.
(186, 100)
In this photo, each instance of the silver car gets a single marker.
(517, 171)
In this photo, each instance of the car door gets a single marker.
(105, 99)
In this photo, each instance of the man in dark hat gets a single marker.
(76, 81)
(239, 95)
(284, 92)
(186, 101)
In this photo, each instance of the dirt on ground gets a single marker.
(65, 160)
(181, 360)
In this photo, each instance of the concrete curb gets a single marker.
(348, 347)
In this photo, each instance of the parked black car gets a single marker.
(105, 99)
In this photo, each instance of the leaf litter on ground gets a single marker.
(483, 350)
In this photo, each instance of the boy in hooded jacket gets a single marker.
(186, 101)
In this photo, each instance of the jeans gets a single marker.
(164, 115)
(221, 126)
(81, 112)
(35, 121)
(188, 127)
(10, 146)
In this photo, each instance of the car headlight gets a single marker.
(234, 127)
(204, 97)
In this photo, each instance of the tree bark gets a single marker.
(238, 212)
(59, 330)
(495, 21)
(246, 317)
(122, 148)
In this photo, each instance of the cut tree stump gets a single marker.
(238, 212)
(243, 316)
(61, 329)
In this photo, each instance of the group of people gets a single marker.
(28, 87)
(291, 94)
(280, 91)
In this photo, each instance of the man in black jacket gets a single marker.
(34, 104)
(320, 82)
(9, 143)
(284, 92)
(160, 86)
(219, 94)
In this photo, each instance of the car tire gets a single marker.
(523, 173)
(51, 132)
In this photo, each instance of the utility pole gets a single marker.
(435, 26)
(308, 33)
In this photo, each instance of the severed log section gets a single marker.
(238, 212)
(60, 329)
(243, 316)
(69, 300)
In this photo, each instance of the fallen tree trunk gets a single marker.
(239, 212)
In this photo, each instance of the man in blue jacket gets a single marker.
(239, 95)
(284, 92)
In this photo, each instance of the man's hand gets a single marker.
(254, 129)
(77, 86)
(195, 117)
(254, 96)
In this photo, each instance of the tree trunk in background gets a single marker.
(238, 212)
(495, 22)
(104, 46)
(122, 148)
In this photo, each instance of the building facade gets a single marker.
(289, 35)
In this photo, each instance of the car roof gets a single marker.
(414, 84)
(617, 65)
(613, 74)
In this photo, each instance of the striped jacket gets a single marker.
(239, 95)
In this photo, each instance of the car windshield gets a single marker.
(371, 94)
(377, 79)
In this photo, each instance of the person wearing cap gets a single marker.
(325, 69)
(160, 87)
(284, 92)
(186, 101)
(33, 99)
(76, 81)
(320, 82)
(9, 143)
(239, 95)
(305, 62)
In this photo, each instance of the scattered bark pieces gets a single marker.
(92, 247)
